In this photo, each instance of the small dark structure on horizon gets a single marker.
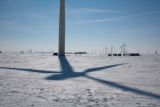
(119, 54)
(115, 54)
(156, 52)
(134, 54)
(0, 52)
(80, 52)
(55, 54)
(128, 54)
(109, 54)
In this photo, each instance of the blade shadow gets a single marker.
(125, 88)
(101, 68)
(29, 70)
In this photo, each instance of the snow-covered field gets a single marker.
(43, 80)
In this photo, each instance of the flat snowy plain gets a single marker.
(43, 80)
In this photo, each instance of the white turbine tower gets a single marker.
(62, 28)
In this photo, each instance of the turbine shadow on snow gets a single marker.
(28, 70)
(68, 72)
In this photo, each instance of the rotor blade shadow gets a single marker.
(125, 88)
(101, 68)
(29, 70)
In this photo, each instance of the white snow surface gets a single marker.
(43, 80)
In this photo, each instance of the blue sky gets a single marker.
(90, 25)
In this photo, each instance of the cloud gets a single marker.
(97, 10)
(89, 10)
(119, 18)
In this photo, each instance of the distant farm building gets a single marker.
(127, 54)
